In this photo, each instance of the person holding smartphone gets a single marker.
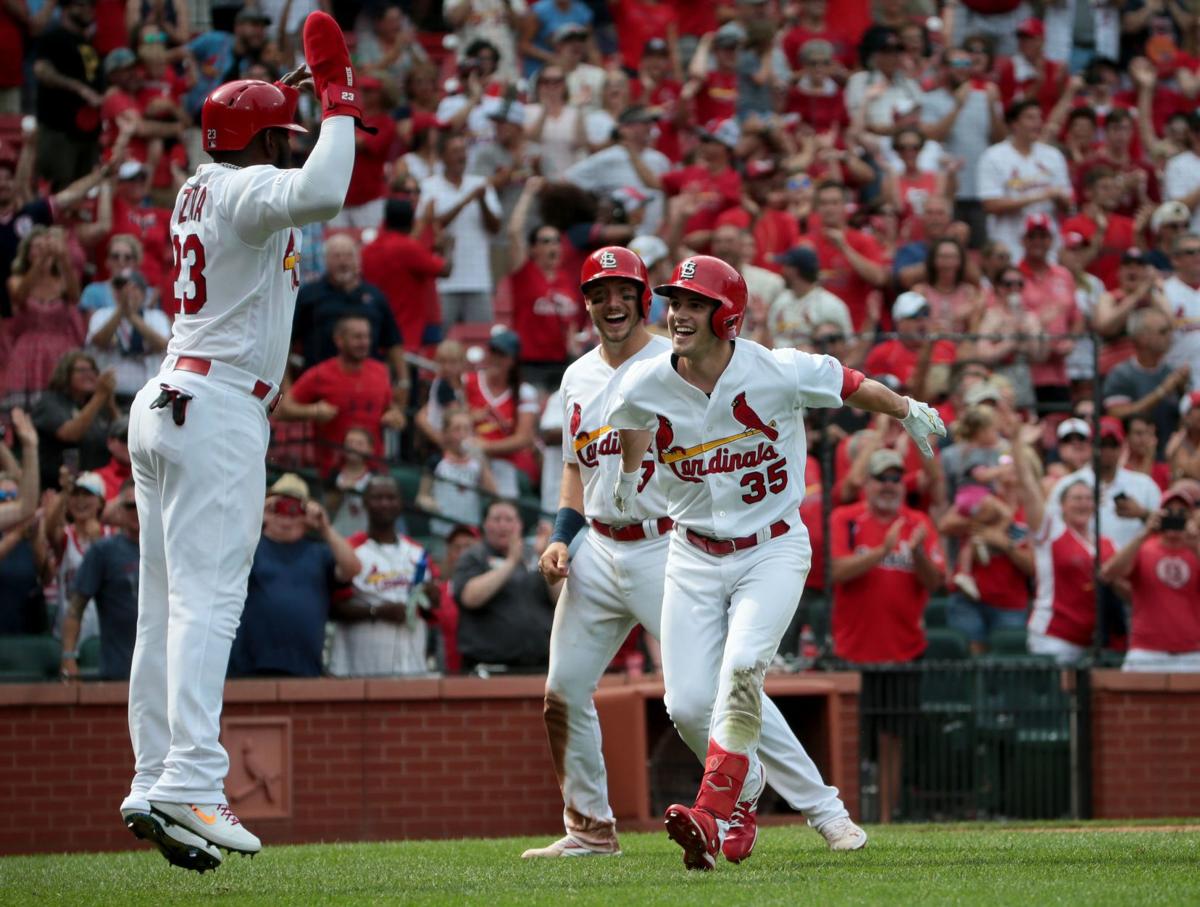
(1162, 566)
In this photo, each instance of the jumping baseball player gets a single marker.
(725, 416)
(198, 432)
(615, 581)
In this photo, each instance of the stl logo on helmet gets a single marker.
(608, 260)
(687, 270)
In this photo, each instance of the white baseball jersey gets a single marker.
(589, 387)
(1185, 309)
(388, 574)
(733, 460)
(237, 267)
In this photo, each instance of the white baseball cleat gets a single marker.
(572, 847)
(214, 822)
(177, 844)
(843, 834)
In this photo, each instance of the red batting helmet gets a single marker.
(617, 261)
(237, 111)
(714, 279)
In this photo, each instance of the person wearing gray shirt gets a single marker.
(964, 114)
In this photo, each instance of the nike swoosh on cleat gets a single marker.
(204, 817)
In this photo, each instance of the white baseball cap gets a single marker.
(90, 482)
(651, 249)
(1074, 427)
(1169, 213)
(910, 305)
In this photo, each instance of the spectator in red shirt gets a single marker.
(349, 390)
(364, 199)
(813, 25)
(123, 107)
(546, 311)
(134, 214)
(445, 614)
(1049, 294)
(712, 181)
(405, 270)
(712, 84)
(901, 355)
(1137, 181)
(656, 88)
(1162, 564)
(886, 559)
(638, 21)
(118, 470)
(1028, 74)
(1108, 233)
(815, 94)
(853, 263)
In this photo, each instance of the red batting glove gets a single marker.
(329, 62)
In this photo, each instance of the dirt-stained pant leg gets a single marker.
(612, 586)
(694, 625)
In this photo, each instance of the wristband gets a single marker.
(567, 523)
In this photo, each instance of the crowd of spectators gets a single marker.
(993, 206)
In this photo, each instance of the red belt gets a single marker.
(634, 532)
(203, 366)
(723, 547)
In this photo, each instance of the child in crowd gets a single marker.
(456, 479)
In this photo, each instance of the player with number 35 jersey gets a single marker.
(723, 416)
(198, 432)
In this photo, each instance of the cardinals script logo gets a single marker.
(689, 464)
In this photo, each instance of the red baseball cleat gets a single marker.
(696, 831)
(743, 827)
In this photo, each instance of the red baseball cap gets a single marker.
(1073, 240)
(1031, 28)
(1183, 490)
(1111, 427)
(1188, 401)
(1038, 222)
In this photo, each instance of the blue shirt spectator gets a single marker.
(551, 15)
(109, 575)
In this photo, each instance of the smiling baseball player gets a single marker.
(198, 433)
(615, 581)
(725, 416)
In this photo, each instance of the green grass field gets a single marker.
(965, 864)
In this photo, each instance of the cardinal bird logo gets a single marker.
(576, 420)
(665, 434)
(743, 412)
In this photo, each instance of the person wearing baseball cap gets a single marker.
(1162, 566)
(1050, 293)
(1169, 221)
(714, 70)
(804, 303)
(1028, 71)
(899, 355)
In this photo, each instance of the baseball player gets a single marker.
(198, 432)
(615, 581)
(725, 416)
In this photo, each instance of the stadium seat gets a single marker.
(1008, 643)
(27, 659)
(945, 644)
(936, 613)
(89, 658)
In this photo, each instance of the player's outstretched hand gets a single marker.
(555, 562)
(299, 78)
(921, 422)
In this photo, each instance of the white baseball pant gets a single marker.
(722, 621)
(200, 490)
(612, 587)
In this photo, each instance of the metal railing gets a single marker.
(967, 740)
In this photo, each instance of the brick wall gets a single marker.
(1145, 745)
(364, 760)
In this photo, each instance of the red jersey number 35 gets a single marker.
(191, 291)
